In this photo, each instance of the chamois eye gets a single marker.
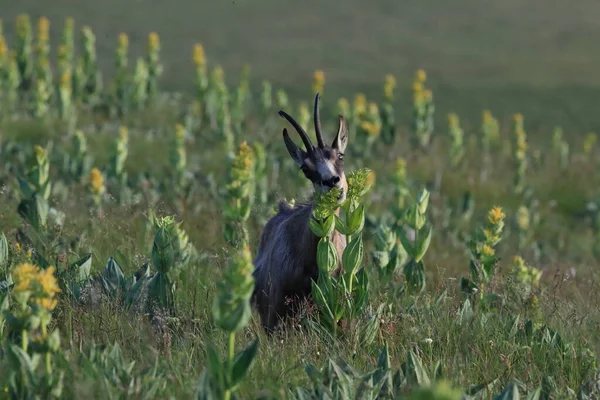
(341, 157)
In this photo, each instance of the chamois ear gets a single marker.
(298, 155)
(341, 139)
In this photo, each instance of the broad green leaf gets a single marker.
(511, 392)
(316, 227)
(407, 244)
(423, 245)
(160, 290)
(356, 220)
(83, 268)
(352, 256)
(341, 226)
(112, 277)
(327, 256)
(242, 363)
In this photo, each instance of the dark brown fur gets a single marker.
(286, 260)
(284, 272)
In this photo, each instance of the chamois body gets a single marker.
(286, 263)
(286, 259)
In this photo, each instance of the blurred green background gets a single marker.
(536, 57)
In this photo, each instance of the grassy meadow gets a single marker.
(141, 155)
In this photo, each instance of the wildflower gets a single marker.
(199, 56)
(371, 128)
(389, 86)
(218, 73)
(428, 95)
(487, 250)
(495, 215)
(589, 142)
(39, 152)
(421, 75)
(123, 40)
(453, 119)
(487, 116)
(518, 118)
(417, 87)
(65, 79)
(523, 218)
(96, 181)
(153, 41)
(43, 29)
(24, 275)
(179, 131)
(18, 247)
(318, 81)
(3, 48)
(360, 104)
(343, 106)
(123, 134)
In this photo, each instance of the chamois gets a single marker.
(286, 260)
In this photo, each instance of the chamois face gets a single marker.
(323, 165)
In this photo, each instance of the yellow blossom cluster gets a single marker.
(43, 29)
(318, 81)
(241, 169)
(96, 181)
(153, 41)
(589, 142)
(525, 273)
(199, 56)
(123, 41)
(360, 104)
(343, 106)
(389, 86)
(39, 283)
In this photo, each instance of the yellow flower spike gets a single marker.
(3, 48)
(360, 103)
(487, 250)
(48, 281)
(453, 119)
(199, 56)
(389, 86)
(518, 117)
(428, 94)
(123, 40)
(219, 73)
(123, 133)
(417, 87)
(96, 181)
(23, 276)
(43, 29)
(65, 79)
(373, 109)
(318, 81)
(495, 215)
(179, 131)
(153, 41)
(18, 247)
(39, 151)
(421, 75)
(28, 254)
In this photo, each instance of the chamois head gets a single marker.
(322, 165)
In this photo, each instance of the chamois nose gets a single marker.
(333, 182)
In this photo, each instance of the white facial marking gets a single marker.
(325, 170)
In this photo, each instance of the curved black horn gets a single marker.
(299, 129)
(318, 122)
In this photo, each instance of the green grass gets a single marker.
(510, 56)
